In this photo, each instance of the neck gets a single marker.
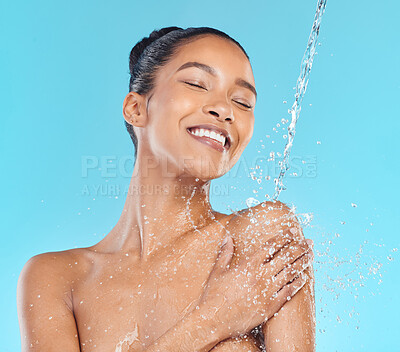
(159, 208)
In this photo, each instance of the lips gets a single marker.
(215, 137)
(211, 135)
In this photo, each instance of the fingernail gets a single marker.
(310, 242)
(293, 230)
(225, 241)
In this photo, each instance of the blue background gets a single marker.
(64, 75)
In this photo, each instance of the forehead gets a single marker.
(223, 55)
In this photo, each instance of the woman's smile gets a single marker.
(212, 136)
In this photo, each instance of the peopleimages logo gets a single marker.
(116, 190)
(258, 168)
(110, 170)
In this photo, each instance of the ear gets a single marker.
(134, 109)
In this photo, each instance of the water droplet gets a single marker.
(251, 202)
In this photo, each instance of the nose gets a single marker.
(221, 111)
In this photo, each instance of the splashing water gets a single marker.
(301, 87)
(349, 275)
(131, 337)
(251, 202)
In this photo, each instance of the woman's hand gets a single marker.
(245, 343)
(240, 297)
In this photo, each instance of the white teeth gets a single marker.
(210, 134)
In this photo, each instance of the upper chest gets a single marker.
(120, 300)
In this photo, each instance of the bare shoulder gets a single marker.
(51, 263)
(266, 214)
(52, 272)
(256, 224)
(45, 303)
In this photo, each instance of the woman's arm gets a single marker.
(195, 332)
(293, 328)
(246, 343)
(295, 323)
(45, 313)
(305, 332)
(185, 339)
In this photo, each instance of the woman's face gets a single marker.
(200, 114)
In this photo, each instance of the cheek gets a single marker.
(175, 105)
(166, 113)
(246, 128)
(185, 101)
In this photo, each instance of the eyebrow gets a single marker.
(239, 81)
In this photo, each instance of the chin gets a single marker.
(207, 170)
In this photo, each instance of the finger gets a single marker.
(270, 275)
(272, 246)
(225, 255)
(286, 293)
(289, 273)
(287, 255)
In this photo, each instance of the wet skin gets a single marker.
(149, 271)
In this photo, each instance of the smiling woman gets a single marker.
(173, 274)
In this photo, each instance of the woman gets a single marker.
(173, 274)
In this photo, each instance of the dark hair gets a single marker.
(154, 51)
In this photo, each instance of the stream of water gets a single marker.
(301, 87)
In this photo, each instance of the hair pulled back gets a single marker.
(154, 51)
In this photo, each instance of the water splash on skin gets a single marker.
(301, 87)
(251, 202)
(130, 338)
(188, 209)
(210, 214)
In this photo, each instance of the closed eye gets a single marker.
(201, 87)
(195, 85)
(245, 105)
